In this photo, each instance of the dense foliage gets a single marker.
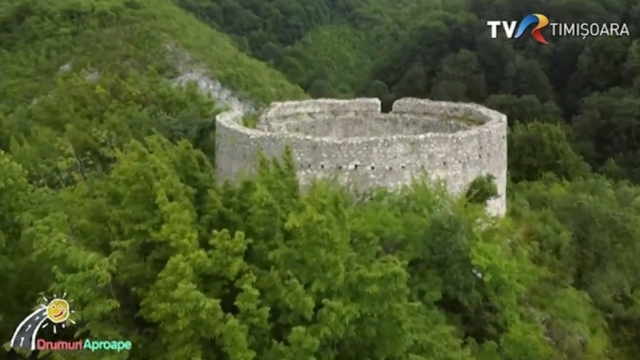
(108, 192)
(443, 50)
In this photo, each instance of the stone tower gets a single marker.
(353, 141)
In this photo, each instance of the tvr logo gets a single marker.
(509, 27)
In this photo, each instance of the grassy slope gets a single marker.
(41, 36)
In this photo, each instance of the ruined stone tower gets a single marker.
(353, 141)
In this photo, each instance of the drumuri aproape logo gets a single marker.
(53, 312)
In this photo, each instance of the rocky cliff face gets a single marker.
(190, 71)
(222, 95)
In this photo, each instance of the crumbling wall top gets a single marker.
(318, 106)
(362, 106)
(467, 112)
(479, 118)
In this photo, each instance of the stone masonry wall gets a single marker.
(470, 141)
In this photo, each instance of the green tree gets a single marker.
(482, 189)
(607, 128)
(22, 277)
(524, 109)
(414, 83)
(321, 89)
(459, 71)
(536, 149)
(631, 65)
(587, 234)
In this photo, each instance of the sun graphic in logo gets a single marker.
(54, 312)
(57, 312)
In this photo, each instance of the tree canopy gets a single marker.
(108, 189)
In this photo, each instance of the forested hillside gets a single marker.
(442, 50)
(108, 191)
